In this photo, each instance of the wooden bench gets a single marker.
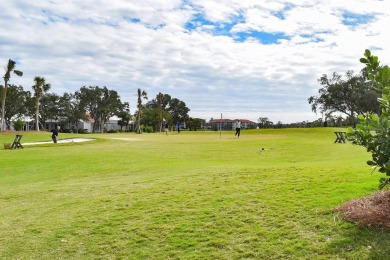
(16, 143)
(340, 137)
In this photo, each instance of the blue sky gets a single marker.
(242, 58)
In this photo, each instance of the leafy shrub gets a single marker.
(148, 129)
(373, 130)
(18, 124)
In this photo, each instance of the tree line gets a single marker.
(92, 102)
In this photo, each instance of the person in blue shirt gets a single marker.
(178, 127)
(54, 136)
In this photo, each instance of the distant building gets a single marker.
(246, 124)
(87, 126)
(230, 124)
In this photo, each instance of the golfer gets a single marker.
(178, 127)
(166, 128)
(238, 128)
(54, 136)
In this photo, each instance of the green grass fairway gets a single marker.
(194, 195)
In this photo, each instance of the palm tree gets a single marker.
(141, 94)
(10, 68)
(39, 88)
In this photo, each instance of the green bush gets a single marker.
(148, 129)
(18, 124)
(373, 130)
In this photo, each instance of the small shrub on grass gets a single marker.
(148, 129)
(18, 124)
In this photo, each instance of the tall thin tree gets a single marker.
(10, 68)
(141, 94)
(160, 98)
(39, 88)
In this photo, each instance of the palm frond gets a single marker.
(10, 65)
(18, 72)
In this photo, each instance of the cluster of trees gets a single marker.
(93, 102)
(164, 109)
(332, 121)
(19, 101)
(341, 99)
(264, 122)
(349, 96)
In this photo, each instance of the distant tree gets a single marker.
(151, 117)
(141, 94)
(16, 102)
(124, 116)
(101, 104)
(160, 100)
(178, 110)
(171, 110)
(193, 124)
(110, 105)
(89, 99)
(71, 109)
(263, 122)
(39, 88)
(350, 96)
(49, 107)
(160, 106)
(317, 123)
(8, 70)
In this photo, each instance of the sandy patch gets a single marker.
(74, 140)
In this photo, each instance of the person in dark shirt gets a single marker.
(166, 127)
(54, 136)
